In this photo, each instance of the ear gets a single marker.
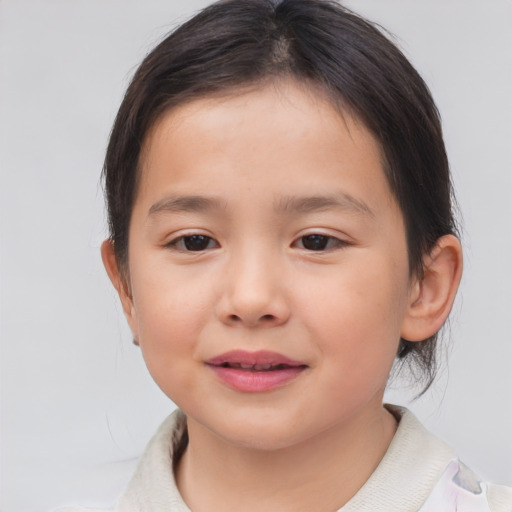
(119, 280)
(432, 295)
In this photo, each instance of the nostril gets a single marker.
(264, 318)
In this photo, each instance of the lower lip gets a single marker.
(254, 381)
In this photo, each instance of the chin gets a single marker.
(262, 434)
(261, 440)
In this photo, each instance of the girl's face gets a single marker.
(268, 270)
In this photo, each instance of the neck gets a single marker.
(302, 477)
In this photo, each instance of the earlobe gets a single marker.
(433, 294)
(120, 284)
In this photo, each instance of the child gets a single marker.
(281, 231)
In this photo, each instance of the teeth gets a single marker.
(246, 366)
(260, 367)
(264, 367)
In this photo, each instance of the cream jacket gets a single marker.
(419, 473)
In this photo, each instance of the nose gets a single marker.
(254, 293)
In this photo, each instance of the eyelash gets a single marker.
(323, 242)
(326, 242)
(180, 243)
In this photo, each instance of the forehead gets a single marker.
(267, 139)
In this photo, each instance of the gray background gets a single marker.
(77, 405)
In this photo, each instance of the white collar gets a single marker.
(412, 465)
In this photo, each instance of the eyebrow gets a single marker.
(185, 204)
(290, 204)
(311, 204)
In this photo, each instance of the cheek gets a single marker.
(166, 297)
(169, 329)
(171, 312)
(356, 316)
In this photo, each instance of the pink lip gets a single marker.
(255, 380)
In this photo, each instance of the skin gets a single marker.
(257, 285)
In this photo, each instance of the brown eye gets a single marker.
(316, 242)
(193, 243)
(196, 242)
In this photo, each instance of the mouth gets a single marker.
(257, 367)
(255, 371)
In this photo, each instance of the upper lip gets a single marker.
(245, 358)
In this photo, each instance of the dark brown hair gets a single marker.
(237, 43)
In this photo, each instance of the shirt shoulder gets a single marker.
(500, 498)
(459, 489)
(420, 473)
